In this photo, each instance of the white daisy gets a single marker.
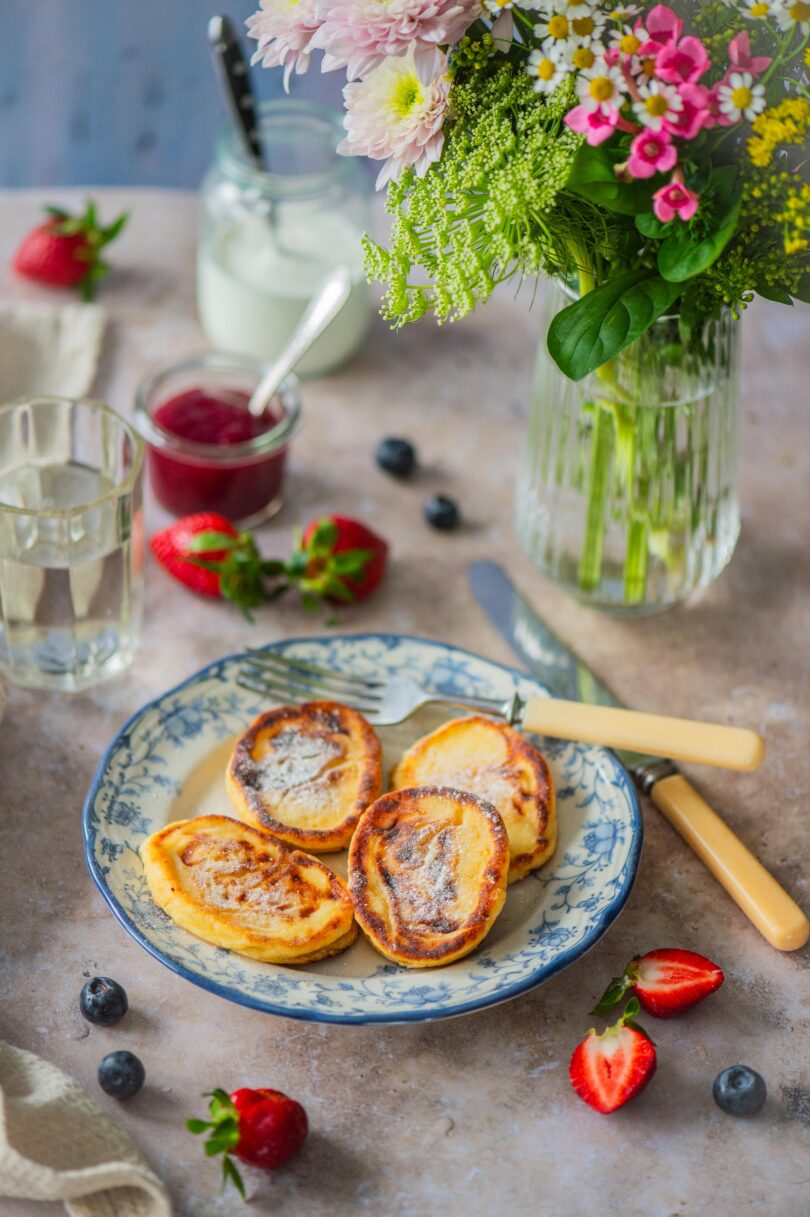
(627, 40)
(560, 28)
(547, 71)
(740, 98)
(601, 87)
(624, 12)
(788, 16)
(657, 104)
(763, 10)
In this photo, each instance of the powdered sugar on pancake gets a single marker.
(296, 760)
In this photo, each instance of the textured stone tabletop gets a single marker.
(474, 1115)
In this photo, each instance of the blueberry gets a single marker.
(103, 1001)
(442, 512)
(740, 1091)
(396, 456)
(121, 1074)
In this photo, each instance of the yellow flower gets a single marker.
(786, 123)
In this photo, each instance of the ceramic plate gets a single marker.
(168, 763)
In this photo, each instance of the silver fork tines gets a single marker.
(274, 675)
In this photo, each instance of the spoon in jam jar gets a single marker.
(327, 301)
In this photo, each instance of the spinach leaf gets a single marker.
(592, 176)
(682, 256)
(603, 322)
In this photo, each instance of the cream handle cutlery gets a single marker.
(765, 903)
(679, 739)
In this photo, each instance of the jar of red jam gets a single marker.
(204, 450)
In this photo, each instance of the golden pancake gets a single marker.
(306, 774)
(241, 889)
(495, 762)
(427, 873)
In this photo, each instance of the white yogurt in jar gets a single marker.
(256, 275)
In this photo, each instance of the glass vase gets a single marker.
(627, 495)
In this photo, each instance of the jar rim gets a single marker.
(120, 490)
(288, 397)
(285, 115)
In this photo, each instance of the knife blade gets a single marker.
(548, 658)
(764, 901)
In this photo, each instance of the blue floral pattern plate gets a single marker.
(168, 763)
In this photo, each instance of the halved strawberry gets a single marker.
(667, 982)
(609, 1069)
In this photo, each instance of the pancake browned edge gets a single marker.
(427, 873)
(498, 764)
(306, 774)
(243, 890)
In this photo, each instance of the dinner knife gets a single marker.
(764, 901)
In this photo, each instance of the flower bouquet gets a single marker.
(652, 162)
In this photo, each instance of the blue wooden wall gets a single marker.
(117, 92)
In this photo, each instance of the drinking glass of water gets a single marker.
(71, 542)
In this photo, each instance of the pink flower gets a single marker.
(397, 113)
(682, 62)
(360, 34)
(694, 114)
(662, 25)
(651, 152)
(595, 125)
(739, 54)
(674, 199)
(284, 33)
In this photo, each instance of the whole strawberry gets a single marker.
(335, 559)
(262, 1128)
(609, 1069)
(64, 251)
(667, 982)
(206, 554)
(345, 560)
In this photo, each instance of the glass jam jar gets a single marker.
(268, 237)
(204, 451)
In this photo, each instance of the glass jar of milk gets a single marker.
(268, 236)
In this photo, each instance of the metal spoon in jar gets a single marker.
(329, 298)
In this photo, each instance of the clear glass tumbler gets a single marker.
(71, 543)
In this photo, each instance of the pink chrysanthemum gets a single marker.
(397, 113)
(360, 34)
(284, 29)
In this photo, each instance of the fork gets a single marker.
(386, 702)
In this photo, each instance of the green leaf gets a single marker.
(272, 566)
(324, 537)
(612, 995)
(229, 1171)
(311, 602)
(780, 295)
(351, 562)
(297, 563)
(649, 225)
(684, 254)
(220, 1105)
(595, 328)
(198, 1126)
(802, 292)
(206, 542)
(593, 176)
(114, 229)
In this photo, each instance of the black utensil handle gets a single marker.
(234, 75)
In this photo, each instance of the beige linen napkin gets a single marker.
(48, 350)
(57, 1144)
